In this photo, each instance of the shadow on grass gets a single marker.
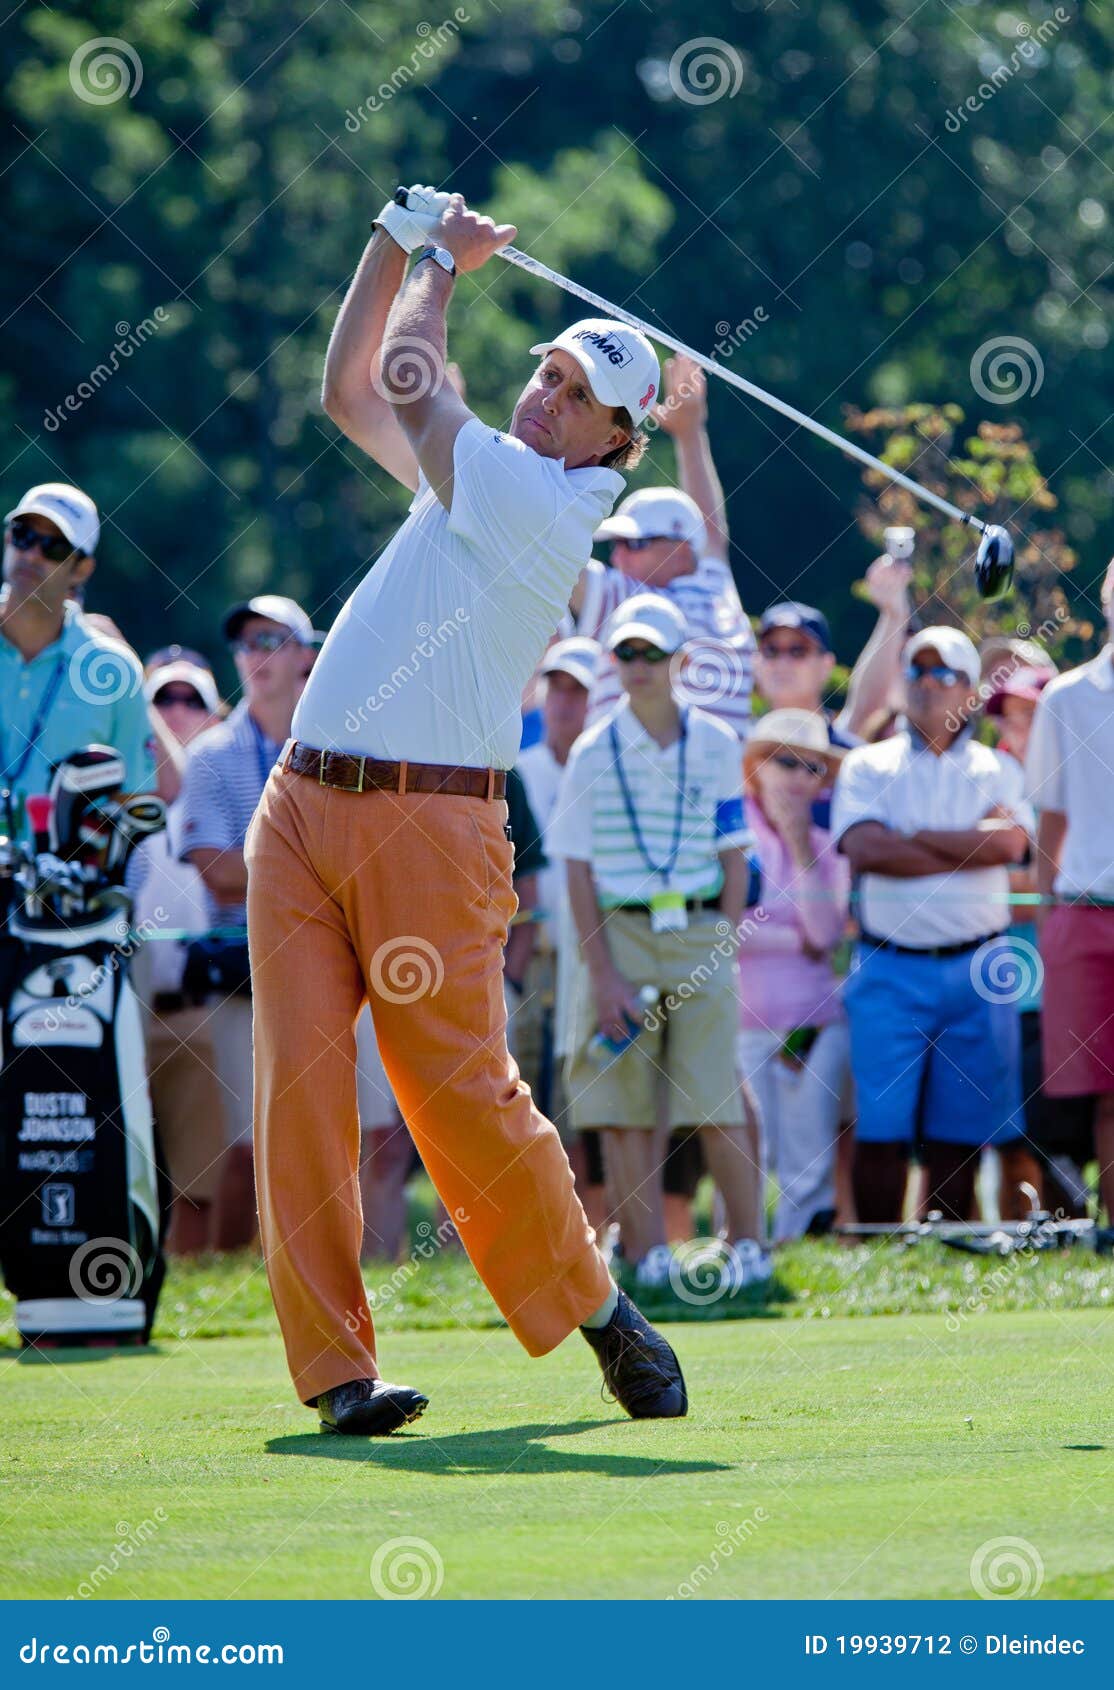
(517, 1449)
(758, 1302)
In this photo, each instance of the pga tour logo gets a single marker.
(613, 350)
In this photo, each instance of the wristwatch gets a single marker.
(440, 255)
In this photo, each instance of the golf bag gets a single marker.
(83, 1216)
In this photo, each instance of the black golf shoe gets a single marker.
(369, 1408)
(639, 1367)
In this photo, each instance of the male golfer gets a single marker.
(379, 865)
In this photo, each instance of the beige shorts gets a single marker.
(689, 1046)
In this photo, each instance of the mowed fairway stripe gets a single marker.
(865, 1458)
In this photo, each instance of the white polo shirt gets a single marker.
(719, 675)
(1070, 767)
(903, 784)
(591, 822)
(428, 659)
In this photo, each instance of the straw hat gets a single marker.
(804, 731)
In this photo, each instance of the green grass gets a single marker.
(227, 1296)
(837, 1457)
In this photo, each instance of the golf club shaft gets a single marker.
(523, 261)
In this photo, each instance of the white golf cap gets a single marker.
(621, 365)
(276, 609)
(657, 513)
(957, 651)
(68, 508)
(186, 674)
(650, 617)
(577, 656)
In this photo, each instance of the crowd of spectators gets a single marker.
(828, 960)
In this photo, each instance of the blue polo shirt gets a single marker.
(85, 689)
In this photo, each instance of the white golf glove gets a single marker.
(411, 226)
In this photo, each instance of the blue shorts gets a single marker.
(934, 1053)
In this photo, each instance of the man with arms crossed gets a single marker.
(378, 860)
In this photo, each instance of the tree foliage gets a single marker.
(841, 181)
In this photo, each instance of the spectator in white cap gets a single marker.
(542, 1023)
(226, 770)
(649, 821)
(63, 682)
(675, 541)
(930, 822)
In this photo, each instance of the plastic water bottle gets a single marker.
(602, 1050)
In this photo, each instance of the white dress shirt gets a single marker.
(1070, 767)
(904, 785)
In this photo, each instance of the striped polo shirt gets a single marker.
(720, 672)
(591, 822)
(225, 773)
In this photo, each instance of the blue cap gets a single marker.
(804, 617)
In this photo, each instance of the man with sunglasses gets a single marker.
(63, 683)
(226, 770)
(930, 821)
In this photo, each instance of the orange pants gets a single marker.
(403, 901)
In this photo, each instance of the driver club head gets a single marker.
(994, 562)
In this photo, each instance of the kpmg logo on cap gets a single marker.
(613, 350)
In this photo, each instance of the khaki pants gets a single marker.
(187, 1099)
(406, 901)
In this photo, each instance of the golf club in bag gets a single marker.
(85, 1201)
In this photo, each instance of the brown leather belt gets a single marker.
(374, 774)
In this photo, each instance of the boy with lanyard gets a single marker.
(649, 819)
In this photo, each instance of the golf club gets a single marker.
(994, 559)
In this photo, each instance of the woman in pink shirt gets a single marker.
(793, 1045)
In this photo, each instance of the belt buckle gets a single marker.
(360, 782)
(321, 769)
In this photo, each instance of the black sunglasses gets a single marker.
(23, 535)
(640, 544)
(627, 653)
(192, 700)
(941, 672)
(786, 760)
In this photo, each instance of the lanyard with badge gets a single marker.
(14, 770)
(667, 909)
